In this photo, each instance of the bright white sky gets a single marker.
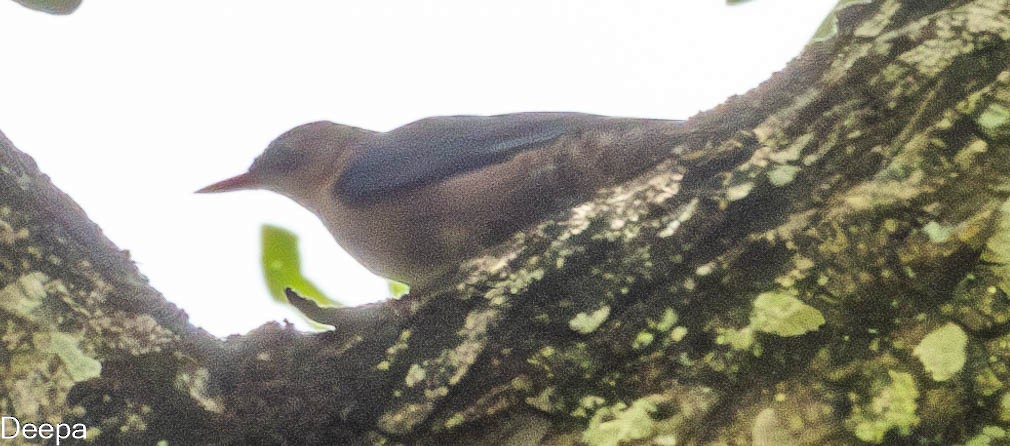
(130, 106)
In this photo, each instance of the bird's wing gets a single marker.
(432, 149)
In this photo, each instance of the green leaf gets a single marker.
(398, 289)
(282, 267)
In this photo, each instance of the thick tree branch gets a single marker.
(821, 262)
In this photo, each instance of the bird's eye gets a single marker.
(279, 159)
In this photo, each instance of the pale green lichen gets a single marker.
(781, 313)
(936, 232)
(78, 364)
(10, 236)
(990, 435)
(665, 440)
(587, 404)
(642, 340)
(406, 416)
(143, 333)
(543, 400)
(705, 269)
(739, 340)
(892, 407)
(942, 351)
(197, 385)
(666, 321)
(678, 333)
(685, 214)
(460, 358)
(670, 229)
(738, 192)
(522, 278)
(521, 383)
(591, 402)
(455, 420)
(1004, 407)
(965, 158)
(996, 253)
(995, 120)
(415, 375)
(873, 26)
(584, 323)
(136, 418)
(546, 352)
(782, 175)
(769, 429)
(22, 297)
(617, 424)
(477, 321)
(987, 383)
(542, 358)
(793, 151)
(435, 393)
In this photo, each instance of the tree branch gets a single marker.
(820, 262)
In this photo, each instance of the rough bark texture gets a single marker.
(823, 262)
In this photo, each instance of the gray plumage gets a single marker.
(431, 149)
(412, 203)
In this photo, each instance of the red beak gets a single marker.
(239, 182)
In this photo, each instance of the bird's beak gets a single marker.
(239, 182)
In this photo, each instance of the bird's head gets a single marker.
(297, 162)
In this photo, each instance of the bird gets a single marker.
(411, 204)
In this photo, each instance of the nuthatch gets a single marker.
(412, 203)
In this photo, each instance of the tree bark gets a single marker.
(823, 261)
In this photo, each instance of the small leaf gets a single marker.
(398, 289)
(282, 267)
